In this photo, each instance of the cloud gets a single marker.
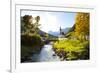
(49, 22)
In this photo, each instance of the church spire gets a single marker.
(60, 30)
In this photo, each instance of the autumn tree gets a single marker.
(82, 25)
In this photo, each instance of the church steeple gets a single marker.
(60, 31)
(61, 36)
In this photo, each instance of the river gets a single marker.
(47, 54)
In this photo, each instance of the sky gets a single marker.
(52, 21)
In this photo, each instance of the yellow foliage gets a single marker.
(82, 24)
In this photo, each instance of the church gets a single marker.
(61, 33)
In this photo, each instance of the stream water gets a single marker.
(46, 54)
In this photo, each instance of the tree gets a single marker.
(82, 25)
(27, 20)
(36, 24)
(29, 26)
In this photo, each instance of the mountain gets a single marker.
(72, 28)
(65, 30)
(54, 33)
(71, 31)
(42, 33)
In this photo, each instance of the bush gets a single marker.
(75, 49)
(30, 44)
(30, 40)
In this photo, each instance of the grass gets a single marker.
(75, 49)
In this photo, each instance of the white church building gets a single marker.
(61, 36)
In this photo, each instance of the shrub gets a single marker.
(75, 49)
(30, 44)
(30, 40)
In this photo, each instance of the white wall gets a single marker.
(5, 36)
